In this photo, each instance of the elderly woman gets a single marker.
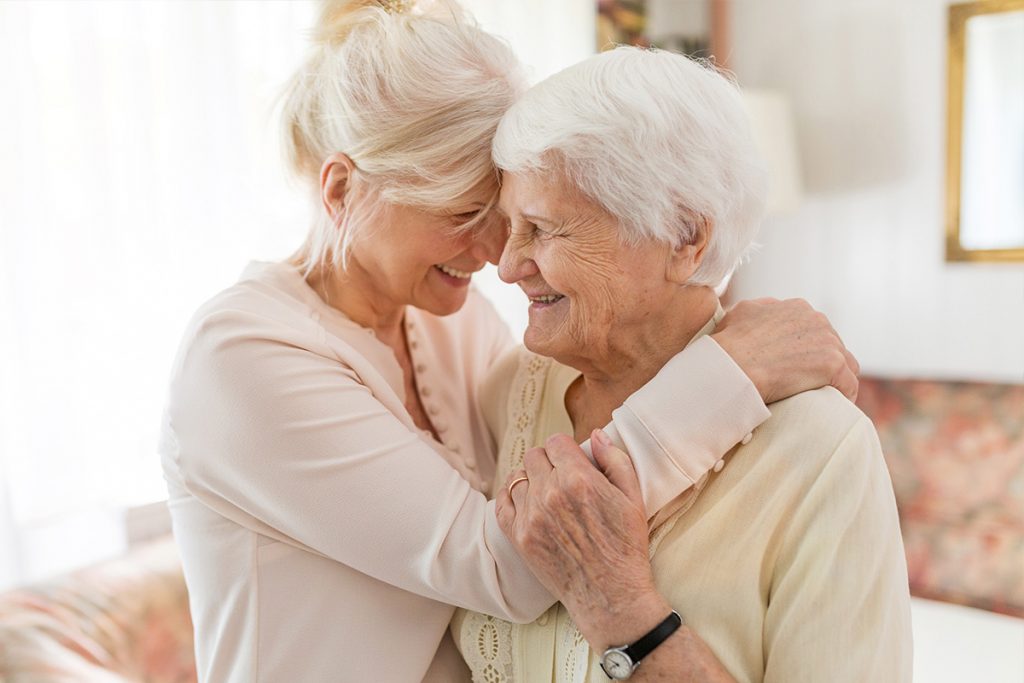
(632, 188)
(323, 447)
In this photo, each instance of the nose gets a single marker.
(515, 263)
(489, 242)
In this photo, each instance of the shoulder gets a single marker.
(245, 312)
(245, 330)
(816, 432)
(824, 415)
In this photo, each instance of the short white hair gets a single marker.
(656, 139)
(412, 92)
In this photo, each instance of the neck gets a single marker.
(351, 292)
(632, 358)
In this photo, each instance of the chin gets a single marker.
(538, 342)
(442, 308)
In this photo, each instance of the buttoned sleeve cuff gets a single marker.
(681, 423)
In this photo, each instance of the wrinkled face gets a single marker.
(588, 291)
(422, 258)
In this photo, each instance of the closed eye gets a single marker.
(526, 229)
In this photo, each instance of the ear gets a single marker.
(335, 180)
(684, 259)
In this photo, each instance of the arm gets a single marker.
(290, 443)
(762, 351)
(840, 603)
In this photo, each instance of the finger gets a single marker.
(519, 494)
(513, 475)
(563, 451)
(617, 466)
(505, 511)
(851, 361)
(537, 465)
(846, 382)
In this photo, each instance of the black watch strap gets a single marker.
(654, 637)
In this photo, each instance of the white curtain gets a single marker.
(139, 172)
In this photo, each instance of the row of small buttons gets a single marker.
(431, 407)
(743, 442)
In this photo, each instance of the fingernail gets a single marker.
(601, 437)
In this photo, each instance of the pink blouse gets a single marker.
(324, 536)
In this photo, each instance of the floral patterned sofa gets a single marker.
(126, 620)
(955, 451)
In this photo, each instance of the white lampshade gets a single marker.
(771, 119)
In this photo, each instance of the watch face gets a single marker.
(617, 664)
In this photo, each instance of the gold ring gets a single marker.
(514, 482)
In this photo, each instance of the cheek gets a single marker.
(590, 278)
(440, 244)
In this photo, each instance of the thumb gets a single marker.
(616, 465)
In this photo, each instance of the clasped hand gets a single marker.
(582, 530)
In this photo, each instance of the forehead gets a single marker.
(536, 190)
(547, 194)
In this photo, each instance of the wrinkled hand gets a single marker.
(787, 347)
(583, 532)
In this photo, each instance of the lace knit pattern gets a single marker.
(572, 654)
(486, 645)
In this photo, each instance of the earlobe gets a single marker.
(685, 259)
(335, 178)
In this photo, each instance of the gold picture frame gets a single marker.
(958, 16)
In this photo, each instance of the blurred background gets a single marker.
(140, 171)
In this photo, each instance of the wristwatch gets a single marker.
(619, 663)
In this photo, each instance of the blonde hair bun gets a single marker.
(338, 17)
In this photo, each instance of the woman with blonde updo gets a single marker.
(325, 455)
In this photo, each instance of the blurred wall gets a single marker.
(867, 79)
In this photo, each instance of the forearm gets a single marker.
(684, 420)
(683, 657)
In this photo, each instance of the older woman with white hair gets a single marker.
(324, 450)
(632, 188)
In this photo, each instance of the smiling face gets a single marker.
(591, 295)
(423, 258)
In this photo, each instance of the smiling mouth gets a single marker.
(547, 299)
(448, 270)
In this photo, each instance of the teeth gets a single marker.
(546, 299)
(461, 274)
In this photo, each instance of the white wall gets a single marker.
(868, 83)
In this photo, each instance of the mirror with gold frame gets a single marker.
(985, 167)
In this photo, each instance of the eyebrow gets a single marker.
(537, 219)
(528, 216)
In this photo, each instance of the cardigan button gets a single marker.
(745, 440)
(719, 465)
